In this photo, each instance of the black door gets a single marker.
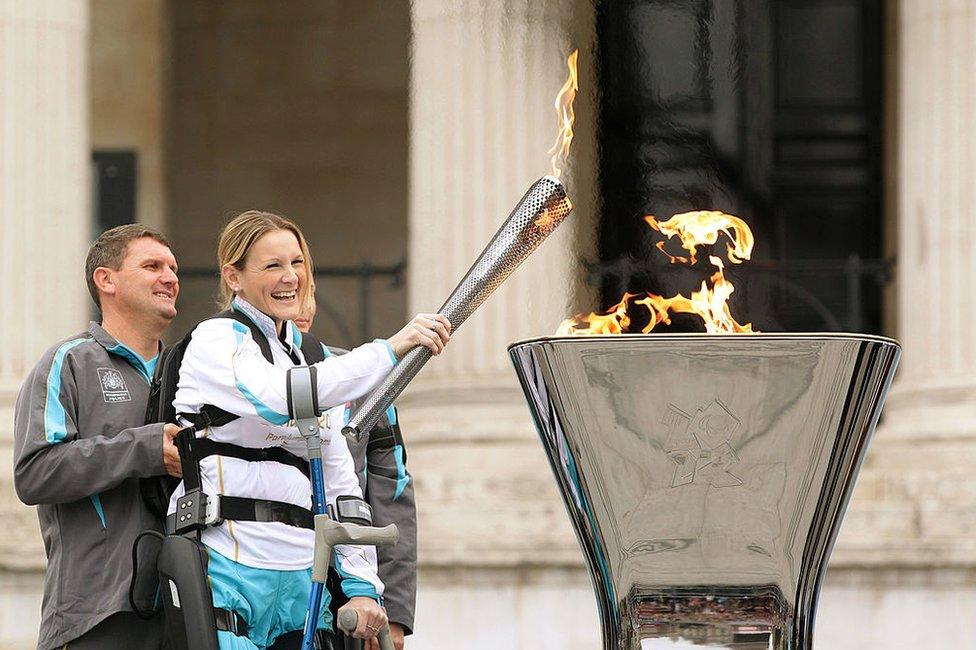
(767, 109)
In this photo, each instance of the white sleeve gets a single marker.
(229, 371)
(355, 564)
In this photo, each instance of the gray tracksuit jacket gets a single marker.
(388, 488)
(79, 451)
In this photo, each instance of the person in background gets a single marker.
(380, 459)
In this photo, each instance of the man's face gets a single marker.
(146, 284)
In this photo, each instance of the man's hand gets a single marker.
(396, 635)
(171, 456)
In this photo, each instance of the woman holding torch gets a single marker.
(260, 570)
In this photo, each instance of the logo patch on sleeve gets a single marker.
(113, 385)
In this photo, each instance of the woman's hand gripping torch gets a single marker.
(542, 208)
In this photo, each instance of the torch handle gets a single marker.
(381, 398)
(457, 309)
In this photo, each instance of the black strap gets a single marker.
(206, 447)
(209, 416)
(193, 450)
(260, 510)
(256, 332)
(312, 349)
(243, 509)
(186, 441)
(230, 621)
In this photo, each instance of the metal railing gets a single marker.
(785, 277)
(354, 325)
(853, 271)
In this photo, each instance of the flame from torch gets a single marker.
(565, 116)
(539, 212)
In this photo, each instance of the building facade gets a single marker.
(400, 135)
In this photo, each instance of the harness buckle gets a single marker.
(204, 420)
(195, 511)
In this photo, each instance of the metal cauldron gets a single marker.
(706, 476)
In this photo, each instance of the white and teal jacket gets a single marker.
(224, 366)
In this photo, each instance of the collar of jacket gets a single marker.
(113, 346)
(291, 336)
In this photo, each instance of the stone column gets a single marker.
(916, 503)
(908, 546)
(484, 79)
(44, 223)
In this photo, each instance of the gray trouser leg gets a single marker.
(122, 630)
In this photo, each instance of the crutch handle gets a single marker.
(349, 619)
(329, 532)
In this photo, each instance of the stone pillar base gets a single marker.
(485, 494)
(914, 505)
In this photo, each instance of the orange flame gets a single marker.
(709, 303)
(565, 117)
(702, 227)
(613, 321)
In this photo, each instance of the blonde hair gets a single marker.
(239, 235)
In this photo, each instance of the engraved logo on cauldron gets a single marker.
(701, 445)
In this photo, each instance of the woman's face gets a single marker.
(273, 275)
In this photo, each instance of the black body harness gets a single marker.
(195, 510)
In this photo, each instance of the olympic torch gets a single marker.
(542, 208)
(534, 218)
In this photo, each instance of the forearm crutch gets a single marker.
(303, 408)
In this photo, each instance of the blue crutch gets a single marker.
(303, 408)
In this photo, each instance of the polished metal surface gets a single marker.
(706, 476)
(544, 206)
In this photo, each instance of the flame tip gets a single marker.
(565, 116)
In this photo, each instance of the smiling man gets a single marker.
(80, 445)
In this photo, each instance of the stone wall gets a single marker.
(300, 108)
(129, 67)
